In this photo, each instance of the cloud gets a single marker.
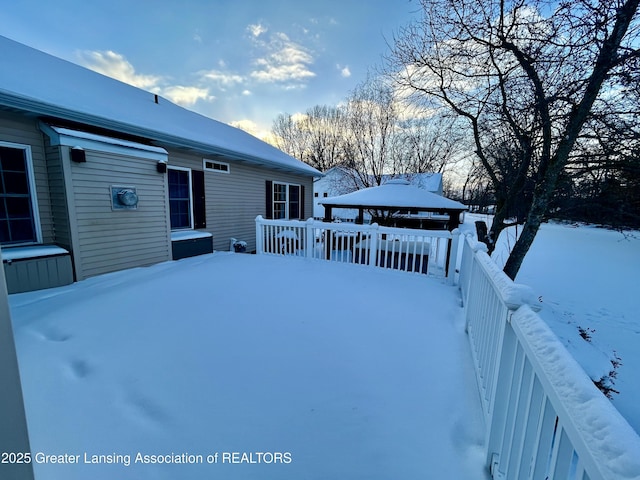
(187, 96)
(253, 128)
(285, 62)
(344, 71)
(222, 79)
(117, 66)
(257, 29)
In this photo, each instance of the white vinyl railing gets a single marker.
(545, 418)
(419, 251)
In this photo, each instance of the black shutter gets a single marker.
(301, 202)
(269, 199)
(199, 203)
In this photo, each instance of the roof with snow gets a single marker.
(431, 181)
(396, 193)
(428, 181)
(43, 85)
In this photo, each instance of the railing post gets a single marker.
(259, 235)
(14, 436)
(310, 238)
(373, 244)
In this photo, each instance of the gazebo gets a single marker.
(399, 196)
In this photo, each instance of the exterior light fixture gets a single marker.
(78, 155)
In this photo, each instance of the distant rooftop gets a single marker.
(431, 181)
(395, 193)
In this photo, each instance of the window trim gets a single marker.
(226, 170)
(191, 219)
(31, 178)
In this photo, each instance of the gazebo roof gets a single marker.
(394, 194)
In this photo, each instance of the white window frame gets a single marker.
(35, 211)
(226, 170)
(287, 199)
(191, 219)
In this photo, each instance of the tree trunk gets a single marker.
(539, 207)
(524, 242)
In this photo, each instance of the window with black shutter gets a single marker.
(187, 205)
(284, 201)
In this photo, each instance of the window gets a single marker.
(279, 200)
(294, 201)
(285, 201)
(19, 222)
(216, 166)
(180, 198)
(186, 198)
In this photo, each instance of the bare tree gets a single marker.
(315, 137)
(371, 145)
(524, 74)
(432, 143)
(289, 138)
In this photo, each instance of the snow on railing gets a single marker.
(545, 418)
(419, 251)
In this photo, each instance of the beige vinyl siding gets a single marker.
(238, 199)
(24, 131)
(234, 199)
(110, 240)
(59, 206)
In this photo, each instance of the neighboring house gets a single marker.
(98, 176)
(339, 181)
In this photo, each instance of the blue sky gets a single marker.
(236, 61)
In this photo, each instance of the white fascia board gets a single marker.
(90, 141)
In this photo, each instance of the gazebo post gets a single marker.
(360, 219)
(448, 259)
(327, 232)
(453, 222)
(327, 213)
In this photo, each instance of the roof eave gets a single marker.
(41, 108)
(389, 207)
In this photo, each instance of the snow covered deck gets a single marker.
(233, 353)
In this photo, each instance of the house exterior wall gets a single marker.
(75, 210)
(21, 130)
(234, 199)
(58, 196)
(109, 240)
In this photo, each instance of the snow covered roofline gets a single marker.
(44, 85)
(394, 194)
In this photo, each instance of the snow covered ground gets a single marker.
(586, 278)
(312, 370)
